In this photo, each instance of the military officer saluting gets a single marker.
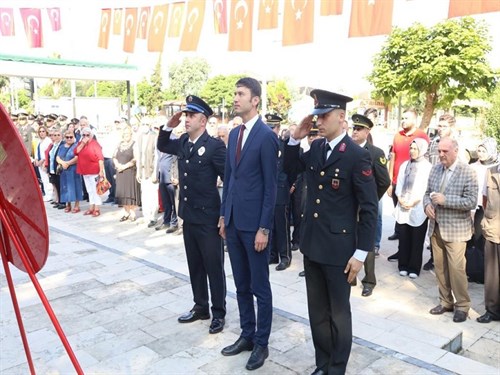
(280, 236)
(338, 227)
(201, 160)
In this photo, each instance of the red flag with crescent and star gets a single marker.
(32, 20)
(240, 25)
(129, 29)
(55, 18)
(176, 17)
(268, 15)
(460, 8)
(158, 28)
(142, 26)
(104, 28)
(7, 21)
(220, 16)
(331, 7)
(117, 21)
(192, 27)
(371, 17)
(298, 22)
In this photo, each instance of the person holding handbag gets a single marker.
(91, 166)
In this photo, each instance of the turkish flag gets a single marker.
(142, 27)
(7, 21)
(459, 8)
(371, 17)
(55, 18)
(220, 16)
(331, 7)
(268, 15)
(104, 28)
(32, 19)
(129, 29)
(158, 28)
(117, 21)
(298, 22)
(192, 27)
(240, 25)
(176, 17)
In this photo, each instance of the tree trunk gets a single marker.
(430, 101)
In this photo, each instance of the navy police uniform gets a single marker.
(199, 205)
(339, 216)
(280, 235)
(383, 181)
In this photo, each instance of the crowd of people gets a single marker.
(251, 188)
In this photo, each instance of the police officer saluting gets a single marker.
(201, 160)
(338, 227)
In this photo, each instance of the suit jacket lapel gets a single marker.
(255, 129)
(337, 152)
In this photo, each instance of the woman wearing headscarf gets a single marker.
(409, 212)
(91, 166)
(71, 182)
(487, 156)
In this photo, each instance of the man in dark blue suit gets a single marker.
(247, 214)
(201, 160)
(338, 227)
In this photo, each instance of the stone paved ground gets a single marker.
(117, 289)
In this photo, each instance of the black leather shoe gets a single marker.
(367, 291)
(429, 265)
(273, 261)
(439, 309)
(486, 318)
(284, 264)
(217, 325)
(459, 316)
(319, 371)
(393, 258)
(393, 237)
(240, 345)
(257, 358)
(192, 316)
(172, 229)
(302, 273)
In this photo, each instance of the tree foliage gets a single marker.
(443, 63)
(188, 77)
(493, 117)
(279, 99)
(218, 92)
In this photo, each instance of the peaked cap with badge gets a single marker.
(195, 104)
(360, 120)
(273, 120)
(326, 101)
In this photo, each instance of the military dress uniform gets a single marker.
(339, 217)
(199, 204)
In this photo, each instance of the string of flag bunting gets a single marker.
(185, 19)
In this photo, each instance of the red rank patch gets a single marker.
(367, 173)
(342, 147)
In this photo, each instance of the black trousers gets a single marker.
(109, 169)
(328, 294)
(395, 202)
(167, 194)
(205, 257)
(280, 238)
(411, 247)
(296, 205)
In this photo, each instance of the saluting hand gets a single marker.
(175, 120)
(352, 269)
(304, 127)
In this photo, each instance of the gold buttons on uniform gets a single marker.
(187, 161)
(343, 230)
(320, 187)
(322, 173)
(315, 215)
(318, 201)
(301, 215)
(185, 199)
(185, 187)
(185, 174)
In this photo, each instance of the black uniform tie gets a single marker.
(327, 148)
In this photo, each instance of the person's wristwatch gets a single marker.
(264, 231)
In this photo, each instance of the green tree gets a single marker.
(443, 63)
(188, 77)
(279, 98)
(492, 128)
(219, 90)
